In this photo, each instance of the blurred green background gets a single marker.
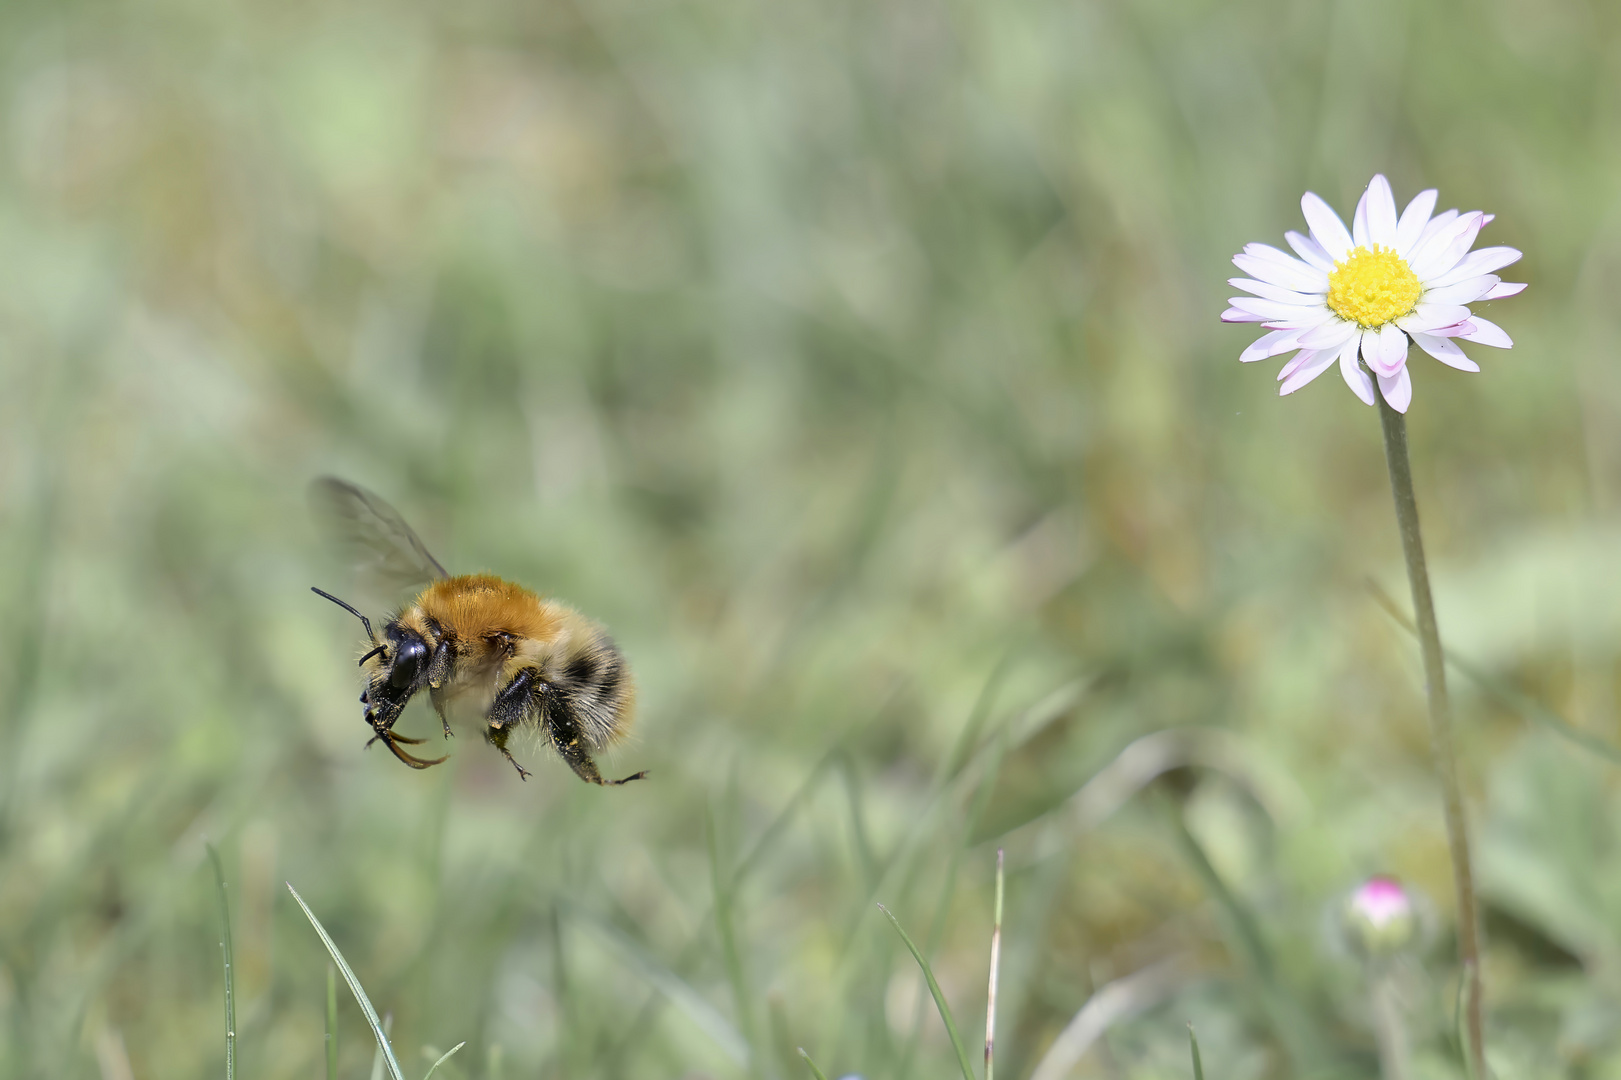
(858, 364)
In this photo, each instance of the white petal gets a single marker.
(1508, 288)
(1290, 274)
(1464, 292)
(1370, 348)
(1381, 212)
(1330, 334)
(1232, 314)
(1392, 346)
(1311, 251)
(1354, 376)
(1304, 356)
(1326, 227)
(1431, 227)
(1413, 220)
(1487, 332)
(1487, 219)
(1398, 389)
(1446, 351)
(1308, 371)
(1281, 295)
(1485, 261)
(1278, 341)
(1427, 317)
(1445, 249)
(1272, 309)
(1359, 222)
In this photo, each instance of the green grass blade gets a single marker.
(1193, 1043)
(331, 1023)
(996, 961)
(442, 1059)
(377, 1055)
(814, 1070)
(939, 997)
(354, 985)
(230, 976)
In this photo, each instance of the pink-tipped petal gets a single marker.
(1278, 341)
(1286, 314)
(1413, 220)
(1232, 314)
(1487, 219)
(1485, 261)
(1397, 389)
(1304, 356)
(1311, 251)
(1446, 351)
(1463, 292)
(1352, 372)
(1506, 289)
(1381, 212)
(1487, 332)
(1317, 364)
(1293, 274)
(1326, 227)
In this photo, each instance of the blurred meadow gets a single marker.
(858, 365)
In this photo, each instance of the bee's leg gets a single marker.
(436, 694)
(437, 672)
(514, 704)
(497, 737)
(564, 731)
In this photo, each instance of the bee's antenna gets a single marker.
(363, 620)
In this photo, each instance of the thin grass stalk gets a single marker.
(818, 1073)
(331, 1023)
(1389, 1028)
(1394, 425)
(230, 975)
(939, 996)
(996, 963)
(1193, 1045)
(446, 1056)
(353, 980)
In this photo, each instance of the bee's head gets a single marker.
(393, 673)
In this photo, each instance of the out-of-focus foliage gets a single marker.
(858, 364)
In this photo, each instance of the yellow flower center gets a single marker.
(1373, 286)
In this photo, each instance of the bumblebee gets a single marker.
(478, 643)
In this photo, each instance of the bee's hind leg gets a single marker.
(497, 737)
(564, 732)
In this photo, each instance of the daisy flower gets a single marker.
(1373, 289)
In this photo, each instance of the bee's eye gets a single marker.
(407, 662)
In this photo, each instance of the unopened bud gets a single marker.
(1380, 918)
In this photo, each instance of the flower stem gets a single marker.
(1389, 1028)
(1446, 762)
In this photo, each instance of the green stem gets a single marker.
(1446, 761)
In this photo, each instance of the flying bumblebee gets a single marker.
(477, 643)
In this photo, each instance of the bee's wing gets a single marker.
(383, 548)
